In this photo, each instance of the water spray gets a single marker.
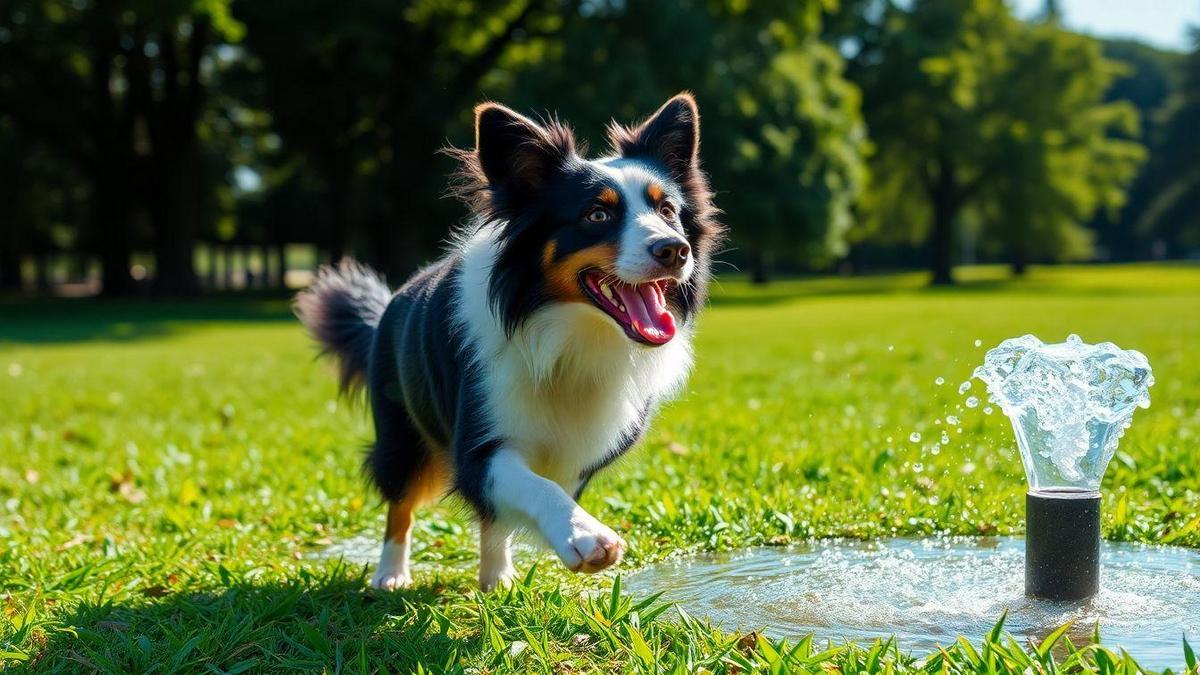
(1070, 403)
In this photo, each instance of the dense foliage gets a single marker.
(141, 130)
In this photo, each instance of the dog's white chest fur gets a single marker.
(569, 385)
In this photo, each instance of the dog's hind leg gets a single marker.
(393, 572)
(409, 473)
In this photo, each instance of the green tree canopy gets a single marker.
(782, 136)
(1173, 214)
(976, 113)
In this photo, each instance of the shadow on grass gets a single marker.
(739, 293)
(329, 623)
(65, 320)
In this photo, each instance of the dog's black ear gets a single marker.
(670, 136)
(516, 153)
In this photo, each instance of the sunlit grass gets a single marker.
(165, 471)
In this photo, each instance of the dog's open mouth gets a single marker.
(640, 309)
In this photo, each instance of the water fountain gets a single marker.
(1069, 404)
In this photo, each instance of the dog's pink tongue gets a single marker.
(648, 313)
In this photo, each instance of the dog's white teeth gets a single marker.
(607, 292)
(621, 307)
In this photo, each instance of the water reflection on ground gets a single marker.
(928, 591)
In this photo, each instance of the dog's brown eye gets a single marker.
(666, 211)
(598, 214)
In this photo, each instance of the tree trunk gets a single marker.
(227, 267)
(759, 267)
(41, 272)
(111, 212)
(175, 209)
(281, 266)
(211, 272)
(1020, 259)
(941, 245)
(10, 268)
(265, 277)
(945, 199)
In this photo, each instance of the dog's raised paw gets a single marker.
(390, 580)
(591, 547)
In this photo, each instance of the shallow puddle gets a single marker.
(928, 591)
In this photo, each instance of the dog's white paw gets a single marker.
(391, 580)
(499, 578)
(590, 547)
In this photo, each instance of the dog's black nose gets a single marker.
(670, 252)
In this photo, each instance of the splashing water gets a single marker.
(1069, 403)
(928, 591)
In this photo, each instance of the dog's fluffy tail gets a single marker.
(341, 310)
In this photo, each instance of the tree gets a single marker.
(975, 112)
(1149, 79)
(119, 88)
(363, 95)
(782, 136)
(1173, 213)
(1062, 156)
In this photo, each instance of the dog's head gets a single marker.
(630, 234)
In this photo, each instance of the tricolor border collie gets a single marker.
(535, 352)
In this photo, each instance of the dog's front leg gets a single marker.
(583, 543)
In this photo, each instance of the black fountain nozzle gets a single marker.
(1062, 544)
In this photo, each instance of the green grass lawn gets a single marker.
(168, 472)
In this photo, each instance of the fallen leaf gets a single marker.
(130, 493)
(227, 523)
(123, 485)
(580, 641)
(79, 538)
(678, 448)
(748, 643)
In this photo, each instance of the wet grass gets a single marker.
(167, 471)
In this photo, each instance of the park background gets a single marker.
(906, 183)
(178, 147)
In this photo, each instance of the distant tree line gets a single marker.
(856, 133)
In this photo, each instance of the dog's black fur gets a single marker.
(428, 382)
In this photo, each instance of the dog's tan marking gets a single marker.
(609, 196)
(430, 483)
(655, 192)
(548, 254)
(562, 276)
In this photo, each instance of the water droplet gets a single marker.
(915, 437)
(972, 402)
(945, 438)
(978, 342)
(964, 387)
(940, 381)
(987, 410)
(918, 467)
(952, 420)
(891, 348)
